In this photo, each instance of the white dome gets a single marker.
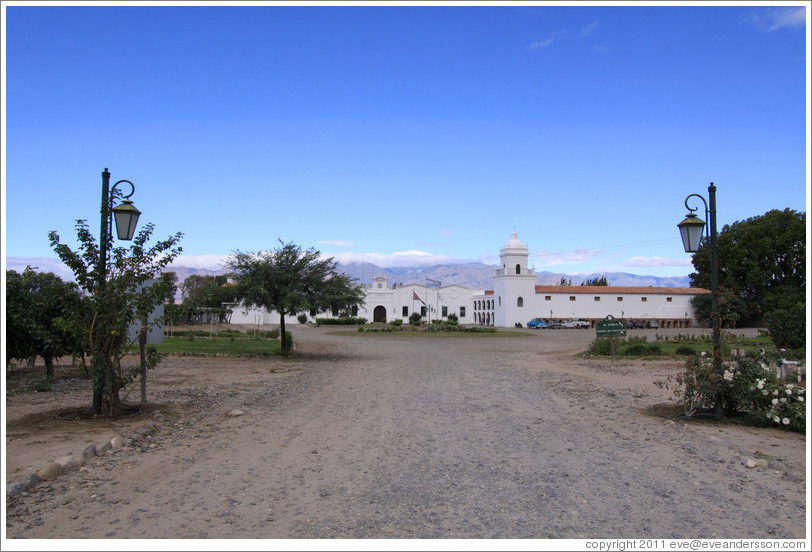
(514, 243)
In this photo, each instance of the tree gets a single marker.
(290, 280)
(597, 281)
(42, 315)
(761, 259)
(565, 281)
(732, 308)
(116, 302)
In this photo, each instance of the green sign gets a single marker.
(609, 327)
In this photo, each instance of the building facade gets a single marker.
(515, 299)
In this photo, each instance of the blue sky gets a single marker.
(406, 134)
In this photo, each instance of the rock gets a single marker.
(116, 443)
(13, 489)
(51, 470)
(68, 463)
(102, 449)
(30, 480)
(236, 412)
(88, 452)
(750, 463)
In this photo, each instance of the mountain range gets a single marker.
(475, 275)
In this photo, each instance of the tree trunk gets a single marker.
(49, 367)
(282, 335)
(142, 345)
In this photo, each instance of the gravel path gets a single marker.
(398, 437)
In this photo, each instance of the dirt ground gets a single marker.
(360, 436)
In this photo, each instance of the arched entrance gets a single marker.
(379, 314)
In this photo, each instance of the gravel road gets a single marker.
(433, 437)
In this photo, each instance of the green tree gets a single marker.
(565, 281)
(597, 281)
(788, 327)
(42, 316)
(732, 308)
(761, 259)
(116, 301)
(290, 280)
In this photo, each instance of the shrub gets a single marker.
(397, 322)
(414, 319)
(345, 321)
(787, 327)
(600, 347)
(684, 350)
(302, 318)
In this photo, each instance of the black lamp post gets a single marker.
(126, 216)
(691, 230)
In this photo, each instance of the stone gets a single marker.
(87, 453)
(51, 470)
(30, 480)
(116, 443)
(236, 412)
(750, 463)
(102, 449)
(68, 463)
(13, 489)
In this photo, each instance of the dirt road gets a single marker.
(434, 437)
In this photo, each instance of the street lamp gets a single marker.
(126, 216)
(691, 230)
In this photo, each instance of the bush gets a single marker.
(414, 319)
(685, 350)
(600, 347)
(748, 388)
(397, 322)
(637, 349)
(788, 327)
(302, 318)
(345, 321)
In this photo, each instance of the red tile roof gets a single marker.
(621, 290)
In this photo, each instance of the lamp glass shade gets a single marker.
(691, 230)
(126, 216)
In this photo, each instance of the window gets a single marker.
(462, 312)
(572, 298)
(518, 269)
(500, 300)
(620, 299)
(422, 311)
(548, 297)
(520, 302)
(597, 298)
(354, 310)
(643, 299)
(405, 311)
(668, 299)
(445, 311)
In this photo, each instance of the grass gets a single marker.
(232, 346)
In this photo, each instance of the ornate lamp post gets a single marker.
(691, 230)
(126, 216)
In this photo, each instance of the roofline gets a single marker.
(633, 290)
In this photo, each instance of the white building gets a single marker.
(514, 299)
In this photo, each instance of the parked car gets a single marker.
(583, 324)
(652, 324)
(554, 324)
(568, 324)
(537, 323)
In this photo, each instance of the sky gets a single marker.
(405, 134)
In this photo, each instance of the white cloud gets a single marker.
(547, 41)
(338, 243)
(577, 256)
(777, 18)
(396, 259)
(212, 262)
(588, 30)
(40, 264)
(657, 262)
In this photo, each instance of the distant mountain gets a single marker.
(474, 275)
(480, 276)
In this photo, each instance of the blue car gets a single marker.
(537, 323)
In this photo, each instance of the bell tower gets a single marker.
(514, 285)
